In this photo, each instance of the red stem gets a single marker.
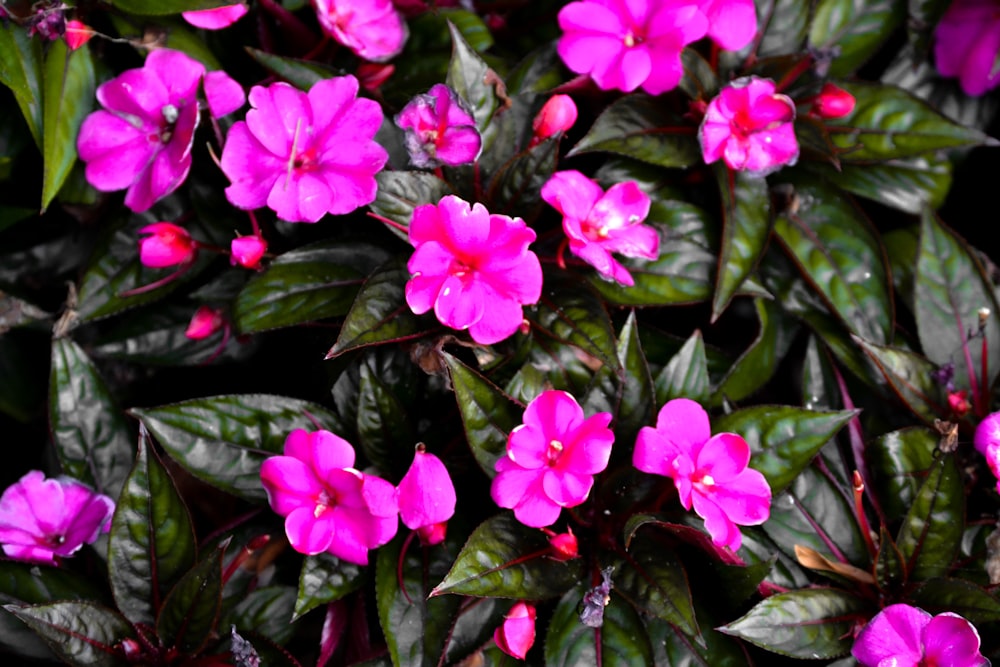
(859, 510)
(973, 385)
(391, 223)
(801, 68)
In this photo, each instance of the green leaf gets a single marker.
(300, 73)
(68, 96)
(93, 441)
(759, 362)
(909, 184)
(223, 440)
(488, 414)
(889, 123)
(922, 17)
(890, 572)
(146, 8)
(399, 192)
(671, 647)
(151, 542)
(266, 611)
(635, 407)
(908, 376)
(835, 246)
(783, 439)
(324, 579)
(516, 187)
(932, 531)
(621, 640)
(957, 596)
(900, 459)
(190, 611)
(784, 25)
(305, 285)
(950, 289)
(21, 71)
(572, 314)
(636, 126)
(385, 429)
(746, 207)
(81, 633)
(856, 28)
(492, 564)
(656, 584)
(686, 374)
(901, 247)
(379, 313)
(815, 623)
(472, 79)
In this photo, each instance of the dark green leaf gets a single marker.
(573, 314)
(856, 28)
(21, 71)
(784, 25)
(144, 7)
(758, 363)
(305, 285)
(224, 439)
(81, 633)
(890, 571)
(474, 627)
(636, 126)
(266, 611)
(700, 80)
(385, 429)
(190, 611)
(746, 207)
(686, 375)
(783, 439)
(472, 79)
(300, 73)
(488, 414)
(900, 459)
(379, 313)
(636, 407)
(152, 540)
(901, 245)
(815, 623)
(932, 530)
(517, 185)
(323, 579)
(68, 95)
(621, 640)
(671, 647)
(492, 564)
(655, 583)
(909, 376)
(93, 441)
(909, 184)
(399, 192)
(957, 596)
(922, 17)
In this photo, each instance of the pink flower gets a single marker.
(247, 251)
(305, 155)
(558, 115)
(205, 322)
(625, 45)
(966, 44)
(833, 102)
(327, 504)
(77, 34)
(44, 518)
(987, 442)
(216, 19)
(142, 138)
(517, 634)
(598, 223)
(731, 23)
(372, 29)
(749, 126)
(901, 635)
(709, 471)
(440, 129)
(551, 459)
(426, 497)
(166, 245)
(474, 269)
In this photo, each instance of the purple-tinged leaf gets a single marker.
(472, 79)
(473, 627)
(325, 578)
(515, 188)
(190, 613)
(267, 612)
(399, 192)
(672, 647)
(909, 376)
(890, 571)
(784, 25)
(853, 29)
(81, 633)
(957, 596)
(931, 534)
(656, 583)
(899, 459)
(621, 639)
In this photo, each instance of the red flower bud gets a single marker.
(558, 115)
(77, 34)
(166, 245)
(517, 633)
(427, 497)
(205, 322)
(958, 402)
(833, 102)
(564, 547)
(373, 75)
(247, 251)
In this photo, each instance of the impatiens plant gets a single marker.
(628, 332)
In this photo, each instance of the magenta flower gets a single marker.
(247, 251)
(439, 129)
(966, 44)
(77, 34)
(141, 141)
(551, 459)
(41, 519)
(625, 45)
(710, 472)
(305, 155)
(205, 322)
(426, 497)
(731, 23)
(372, 29)
(905, 636)
(557, 115)
(474, 269)
(216, 19)
(598, 223)
(749, 126)
(165, 245)
(987, 442)
(328, 505)
(517, 633)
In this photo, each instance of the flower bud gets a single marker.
(205, 322)
(166, 245)
(517, 633)
(558, 115)
(959, 403)
(564, 546)
(77, 34)
(371, 76)
(427, 497)
(833, 102)
(433, 533)
(247, 251)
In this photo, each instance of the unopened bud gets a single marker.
(564, 547)
(833, 102)
(205, 322)
(958, 402)
(558, 115)
(77, 34)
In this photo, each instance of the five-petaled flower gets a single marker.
(329, 505)
(166, 244)
(41, 519)
(516, 634)
(305, 155)
(627, 45)
(551, 459)
(598, 223)
(749, 126)
(903, 635)
(967, 44)
(439, 129)
(142, 138)
(472, 268)
(709, 471)
(372, 29)
(426, 497)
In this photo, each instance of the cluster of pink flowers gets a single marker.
(904, 635)
(967, 44)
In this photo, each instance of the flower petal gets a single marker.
(895, 632)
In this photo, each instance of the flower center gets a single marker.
(553, 452)
(170, 114)
(460, 269)
(323, 503)
(594, 232)
(632, 39)
(703, 480)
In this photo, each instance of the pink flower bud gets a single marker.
(517, 633)
(833, 102)
(166, 245)
(558, 115)
(564, 546)
(433, 533)
(77, 34)
(959, 403)
(372, 75)
(247, 251)
(205, 322)
(426, 497)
